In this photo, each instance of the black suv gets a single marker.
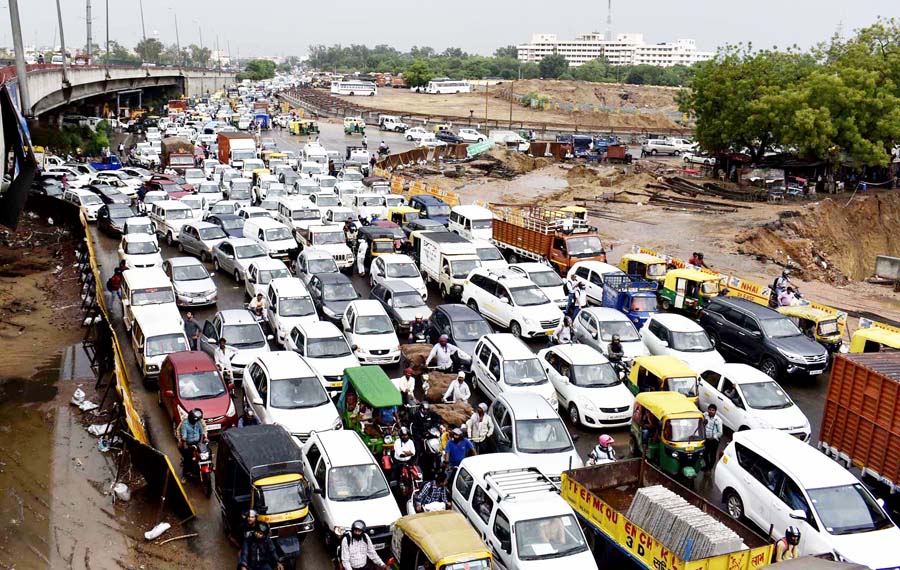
(762, 337)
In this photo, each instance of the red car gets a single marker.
(177, 179)
(189, 380)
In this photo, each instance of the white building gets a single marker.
(626, 49)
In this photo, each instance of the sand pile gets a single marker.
(518, 161)
(455, 414)
(438, 382)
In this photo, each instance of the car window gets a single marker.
(658, 330)
(750, 323)
(494, 367)
(501, 528)
(734, 317)
(482, 504)
(712, 378)
(313, 455)
(484, 355)
(760, 468)
(319, 474)
(596, 278)
(582, 272)
(464, 484)
(792, 496)
(587, 321)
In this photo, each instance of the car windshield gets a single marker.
(194, 173)
(327, 200)
(352, 176)
(594, 375)
(327, 347)
(542, 436)
(90, 200)
(244, 336)
(249, 251)
(267, 275)
(523, 372)
(283, 499)
(374, 324)
(119, 213)
(275, 234)
(462, 267)
(209, 189)
(470, 330)
(295, 306)
(327, 182)
(239, 194)
(828, 328)
(545, 278)
(165, 344)
(340, 292)
(152, 296)
(765, 396)
(482, 224)
(140, 247)
(489, 254)
(200, 385)
(686, 385)
(625, 330)
(341, 216)
(644, 304)
(294, 393)
(528, 296)
(438, 210)
(548, 538)
(212, 233)
(192, 202)
(779, 328)
(372, 201)
(179, 214)
(584, 246)
(682, 430)
(328, 238)
(194, 272)
(393, 202)
(357, 482)
(401, 270)
(232, 223)
(695, 341)
(408, 300)
(321, 265)
(848, 509)
(305, 214)
(382, 246)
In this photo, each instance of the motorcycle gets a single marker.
(201, 466)
(622, 368)
(409, 483)
(384, 151)
(431, 456)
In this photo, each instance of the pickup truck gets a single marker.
(632, 295)
(177, 154)
(540, 233)
(111, 162)
(445, 259)
(235, 148)
(392, 123)
(601, 496)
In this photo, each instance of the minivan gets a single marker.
(288, 305)
(169, 216)
(471, 222)
(274, 237)
(153, 337)
(503, 363)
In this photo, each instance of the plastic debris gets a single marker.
(78, 397)
(122, 492)
(99, 429)
(157, 531)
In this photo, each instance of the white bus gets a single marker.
(448, 86)
(348, 87)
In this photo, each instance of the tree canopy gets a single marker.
(553, 65)
(257, 69)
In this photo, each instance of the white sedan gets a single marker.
(471, 135)
(679, 336)
(695, 158)
(139, 250)
(416, 133)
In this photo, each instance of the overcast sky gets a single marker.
(287, 27)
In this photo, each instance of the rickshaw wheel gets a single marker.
(665, 304)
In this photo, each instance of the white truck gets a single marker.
(510, 139)
(445, 259)
(328, 238)
(241, 150)
(391, 123)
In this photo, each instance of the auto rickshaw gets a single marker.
(663, 373)
(647, 266)
(257, 173)
(402, 215)
(443, 539)
(303, 127)
(368, 400)
(441, 127)
(822, 326)
(667, 429)
(380, 240)
(260, 467)
(273, 155)
(872, 336)
(354, 126)
(688, 290)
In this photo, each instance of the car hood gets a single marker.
(555, 294)
(552, 464)
(785, 418)
(375, 341)
(700, 360)
(211, 243)
(634, 349)
(142, 258)
(799, 345)
(545, 312)
(337, 307)
(869, 548)
(612, 397)
(409, 313)
(237, 232)
(211, 407)
(245, 355)
(305, 420)
(581, 560)
(288, 323)
(335, 248)
(330, 367)
(376, 512)
(198, 286)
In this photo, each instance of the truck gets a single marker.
(328, 238)
(509, 139)
(111, 162)
(177, 154)
(859, 428)
(537, 234)
(262, 120)
(601, 496)
(632, 295)
(235, 148)
(445, 259)
(177, 106)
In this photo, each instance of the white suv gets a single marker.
(325, 349)
(512, 301)
(503, 363)
(679, 336)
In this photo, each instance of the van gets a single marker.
(169, 216)
(519, 513)
(503, 363)
(87, 201)
(154, 335)
(471, 222)
(144, 290)
(296, 213)
(274, 237)
(288, 305)
(775, 480)
(527, 426)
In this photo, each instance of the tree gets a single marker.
(418, 73)
(258, 69)
(553, 65)
(531, 71)
(149, 50)
(507, 51)
(198, 57)
(597, 70)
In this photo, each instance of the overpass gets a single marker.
(48, 91)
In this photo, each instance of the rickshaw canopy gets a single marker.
(264, 450)
(664, 366)
(373, 386)
(644, 258)
(443, 536)
(877, 332)
(372, 232)
(667, 405)
(690, 275)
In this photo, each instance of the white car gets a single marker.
(429, 141)
(87, 201)
(471, 135)
(325, 349)
(283, 389)
(587, 386)
(592, 274)
(695, 158)
(749, 399)
(511, 301)
(241, 331)
(595, 326)
(683, 145)
(503, 363)
(370, 333)
(397, 267)
(260, 272)
(288, 304)
(191, 281)
(139, 251)
(679, 336)
(210, 192)
(416, 134)
(122, 182)
(545, 278)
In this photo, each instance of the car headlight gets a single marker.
(553, 400)
(152, 368)
(588, 405)
(231, 411)
(528, 321)
(796, 358)
(338, 424)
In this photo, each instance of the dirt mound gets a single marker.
(455, 414)
(830, 239)
(414, 355)
(517, 161)
(615, 95)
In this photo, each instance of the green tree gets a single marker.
(418, 73)
(149, 50)
(198, 57)
(531, 71)
(553, 65)
(597, 70)
(257, 69)
(507, 51)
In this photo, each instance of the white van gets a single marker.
(169, 216)
(519, 513)
(154, 336)
(144, 289)
(472, 222)
(297, 213)
(503, 363)
(274, 237)
(89, 202)
(288, 305)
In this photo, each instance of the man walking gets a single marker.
(191, 329)
(713, 435)
(480, 427)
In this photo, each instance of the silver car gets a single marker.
(595, 327)
(314, 261)
(241, 332)
(199, 238)
(193, 284)
(401, 302)
(234, 256)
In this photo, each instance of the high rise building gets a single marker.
(625, 49)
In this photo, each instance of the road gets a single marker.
(211, 544)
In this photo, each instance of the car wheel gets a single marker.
(653, 152)
(473, 305)
(180, 247)
(216, 264)
(677, 153)
(237, 275)
(170, 239)
(203, 257)
(513, 258)
(409, 137)
(714, 339)
(573, 415)
(770, 368)
(516, 329)
(734, 506)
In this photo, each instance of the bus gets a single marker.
(348, 87)
(448, 86)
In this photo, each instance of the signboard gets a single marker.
(477, 148)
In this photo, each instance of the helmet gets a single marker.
(785, 272)
(615, 338)
(196, 414)
(792, 534)
(358, 525)
(433, 445)
(404, 431)
(408, 371)
(263, 528)
(605, 440)
(419, 316)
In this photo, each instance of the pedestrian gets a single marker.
(361, 249)
(258, 551)
(121, 150)
(458, 391)
(480, 427)
(191, 329)
(458, 448)
(365, 142)
(713, 435)
(579, 299)
(114, 286)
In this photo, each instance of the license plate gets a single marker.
(548, 333)
(378, 545)
(816, 372)
(214, 426)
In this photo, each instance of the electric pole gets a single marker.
(143, 30)
(62, 44)
(107, 36)
(178, 43)
(90, 39)
(21, 72)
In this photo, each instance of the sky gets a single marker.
(288, 27)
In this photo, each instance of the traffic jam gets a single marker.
(421, 380)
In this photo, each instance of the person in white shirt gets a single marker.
(407, 386)
(443, 353)
(404, 453)
(563, 333)
(222, 357)
(257, 304)
(458, 391)
(362, 248)
(480, 428)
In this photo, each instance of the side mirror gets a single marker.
(664, 343)
(797, 514)
(270, 337)
(756, 334)
(505, 300)
(231, 387)
(169, 394)
(319, 491)
(594, 335)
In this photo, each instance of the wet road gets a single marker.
(211, 543)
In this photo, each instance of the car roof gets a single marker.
(268, 263)
(810, 468)
(397, 286)
(146, 278)
(318, 329)
(510, 346)
(606, 314)
(676, 322)
(531, 405)
(395, 258)
(598, 266)
(139, 237)
(531, 267)
(289, 286)
(183, 261)
(459, 312)
(333, 278)
(366, 307)
(344, 447)
(580, 354)
(236, 241)
(740, 373)
(237, 317)
(191, 361)
(749, 306)
(504, 276)
(264, 222)
(285, 364)
(172, 204)
(473, 211)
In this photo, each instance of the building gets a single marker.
(625, 49)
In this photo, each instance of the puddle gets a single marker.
(38, 389)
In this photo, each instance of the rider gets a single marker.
(404, 454)
(258, 551)
(433, 493)
(407, 386)
(257, 304)
(443, 353)
(417, 327)
(614, 351)
(190, 433)
(383, 147)
(603, 452)
(563, 333)
(357, 550)
(222, 356)
(788, 547)
(782, 283)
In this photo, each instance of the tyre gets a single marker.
(207, 486)
(409, 137)
(734, 506)
(714, 339)
(216, 264)
(203, 257)
(170, 239)
(574, 417)
(653, 152)
(444, 294)
(665, 304)
(770, 368)
(513, 258)
(237, 275)
(473, 305)
(180, 247)
(677, 153)
(515, 329)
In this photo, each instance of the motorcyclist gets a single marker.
(382, 148)
(433, 495)
(615, 352)
(357, 550)
(787, 548)
(258, 551)
(404, 453)
(442, 353)
(603, 452)
(783, 282)
(191, 431)
(417, 327)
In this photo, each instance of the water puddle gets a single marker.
(41, 387)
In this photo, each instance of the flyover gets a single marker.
(48, 90)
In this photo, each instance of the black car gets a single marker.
(401, 302)
(109, 195)
(448, 137)
(761, 337)
(331, 293)
(111, 218)
(48, 187)
(463, 326)
(231, 224)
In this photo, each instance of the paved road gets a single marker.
(211, 543)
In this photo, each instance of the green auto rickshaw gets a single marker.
(368, 404)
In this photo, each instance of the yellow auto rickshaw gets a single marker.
(663, 373)
(257, 173)
(354, 126)
(442, 539)
(303, 127)
(872, 336)
(668, 430)
(402, 215)
(274, 155)
(647, 266)
(823, 326)
(688, 289)
(441, 127)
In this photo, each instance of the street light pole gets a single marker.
(62, 45)
(178, 43)
(21, 72)
(143, 31)
(107, 37)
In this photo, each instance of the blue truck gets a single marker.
(111, 162)
(632, 295)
